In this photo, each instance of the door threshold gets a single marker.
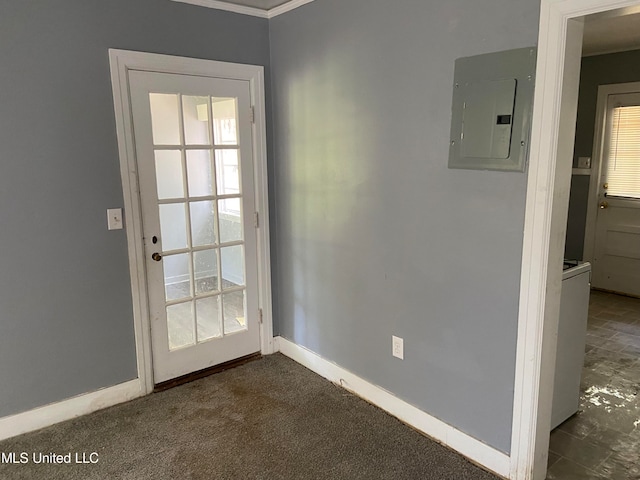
(190, 377)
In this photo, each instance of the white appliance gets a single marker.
(572, 331)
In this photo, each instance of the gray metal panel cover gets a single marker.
(488, 130)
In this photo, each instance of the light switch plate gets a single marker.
(584, 162)
(114, 219)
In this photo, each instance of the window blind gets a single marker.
(623, 171)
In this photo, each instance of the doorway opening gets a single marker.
(603, 229)
(550, 167)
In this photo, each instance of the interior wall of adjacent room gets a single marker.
(596, 70)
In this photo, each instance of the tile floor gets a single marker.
(602, 441)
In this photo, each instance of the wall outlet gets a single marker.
(398, 347)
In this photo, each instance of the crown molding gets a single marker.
(255, 12)
(229, 7)
(286, 7)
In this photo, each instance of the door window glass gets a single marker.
(200, 212)
(623, 166)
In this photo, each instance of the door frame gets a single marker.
(596, 161)
(121, 61)
(548, 183)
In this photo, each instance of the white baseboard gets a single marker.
(478, 452)
(67, 409)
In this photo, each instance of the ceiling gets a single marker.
(608, 35)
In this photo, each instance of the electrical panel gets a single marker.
(491, 111)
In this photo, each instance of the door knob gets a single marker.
(604, 205)
(156, 256)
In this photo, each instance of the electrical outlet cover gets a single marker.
(397, 347)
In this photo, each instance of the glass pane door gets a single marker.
(194, 153)
(199, 195)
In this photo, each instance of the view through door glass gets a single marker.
(623, 165)
(196, 150)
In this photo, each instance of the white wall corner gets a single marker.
(475, 450)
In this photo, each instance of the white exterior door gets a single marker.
(195, 169)
(616, 262)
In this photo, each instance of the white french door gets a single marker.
(616, 262)
(195, 170)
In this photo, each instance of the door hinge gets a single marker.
(260, 315)
(252, 115)
(256, 220)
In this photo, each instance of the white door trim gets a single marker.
(560, 37)
(121, 62)
(596, 166)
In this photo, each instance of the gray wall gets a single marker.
(597, 70)
(376, 237)
(66, 323)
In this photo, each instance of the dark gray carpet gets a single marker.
(268, 419)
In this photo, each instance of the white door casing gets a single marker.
(612, 236)
(197, 195)
(122, 62)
